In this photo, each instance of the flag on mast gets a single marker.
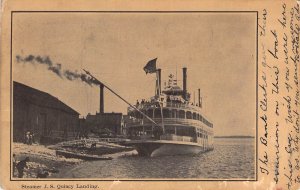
(151, 66)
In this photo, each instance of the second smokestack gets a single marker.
(199, 97)
(184, 70)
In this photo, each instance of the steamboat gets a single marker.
(169, 123)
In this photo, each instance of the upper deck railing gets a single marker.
(183, 106)
(148, 105)
(168, 121)
(174, 105)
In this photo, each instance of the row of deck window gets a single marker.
(200, 135)
(167, 113)
(171, 130)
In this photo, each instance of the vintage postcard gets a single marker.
(150, 94)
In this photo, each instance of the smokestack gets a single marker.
(199, 95)
(159, 79)
(101, 98)
(184, 83)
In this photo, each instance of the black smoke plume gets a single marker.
(56, 68)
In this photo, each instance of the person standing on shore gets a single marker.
(20, 167)
(27, 136)
(30, 139)
(33, 137)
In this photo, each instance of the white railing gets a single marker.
(169, 121)
(167, 105)
(183, 106)
(172, 137)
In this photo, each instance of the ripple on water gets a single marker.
(231, 158)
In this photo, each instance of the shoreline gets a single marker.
(44, 158)
(40, 157)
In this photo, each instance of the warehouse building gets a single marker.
(45, 116)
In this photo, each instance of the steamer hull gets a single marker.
(167, 148)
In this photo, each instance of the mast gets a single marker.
(158, 87)
(158, 82)
(176, 72)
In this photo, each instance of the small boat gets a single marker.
(82, 156)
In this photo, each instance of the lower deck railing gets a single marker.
(177, 138)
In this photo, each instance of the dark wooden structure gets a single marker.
(113, 122)
(48, 118)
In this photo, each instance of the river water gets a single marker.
(232, 158)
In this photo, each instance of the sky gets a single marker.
(218, 49)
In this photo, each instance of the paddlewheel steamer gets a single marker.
(169, 123)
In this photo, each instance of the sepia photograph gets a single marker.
(134, 95)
